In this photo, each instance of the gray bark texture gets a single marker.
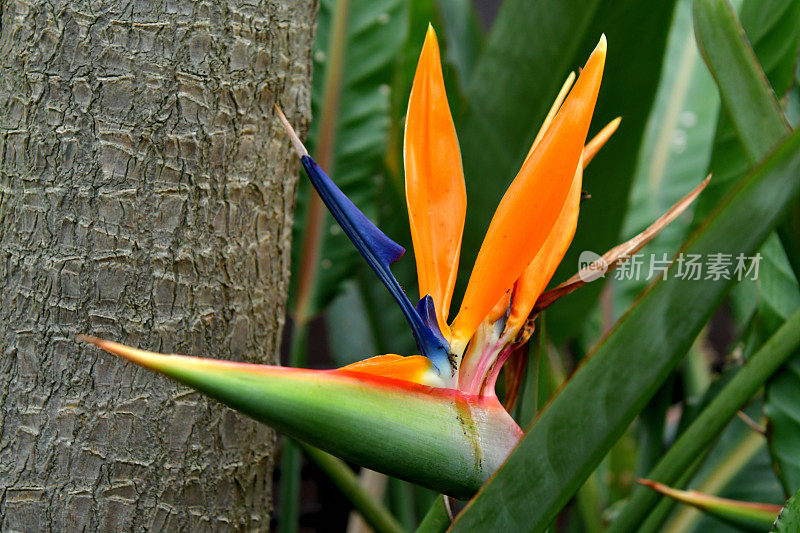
(146, 195)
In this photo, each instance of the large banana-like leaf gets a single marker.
(694, 441)
(580, 425)
(753, 121)
(675, 149)
(789, 519)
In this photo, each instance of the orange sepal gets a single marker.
(538, 274)
(414, 368)
(599, 140)
(532, 203)
(500, 308)
(435, 190)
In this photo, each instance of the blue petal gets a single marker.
(379, 251)
(427, 311)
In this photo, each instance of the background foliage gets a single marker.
(702, 87)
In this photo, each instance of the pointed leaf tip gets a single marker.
(747, 515)
(134, 355)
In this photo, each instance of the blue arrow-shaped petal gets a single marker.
(379, 251)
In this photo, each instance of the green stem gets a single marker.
(291, 459)
(436, 520)
(713, 420)
(402, 502)
(373, 512)
(291, 470)
(589, 507)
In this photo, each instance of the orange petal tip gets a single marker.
(602, 46)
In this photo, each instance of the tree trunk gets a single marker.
(145, 197)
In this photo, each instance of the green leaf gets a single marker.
(713, 419)
(737, 466)
(754, 113)
(675, 150)
(462, 35)
(436, 519)
(740, 474)
(782, 407)
(746, 94)
(773, 28)
(779, 297)
(580, 425)
(375, 33)
(740, 79)
(530, 50)
(789, 519)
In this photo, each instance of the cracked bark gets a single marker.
(145, 196)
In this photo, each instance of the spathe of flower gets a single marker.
(437, 437)
(432, 418)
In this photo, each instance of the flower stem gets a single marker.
(373, 512)
(291, 459)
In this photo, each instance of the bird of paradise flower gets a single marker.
(432, 418)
